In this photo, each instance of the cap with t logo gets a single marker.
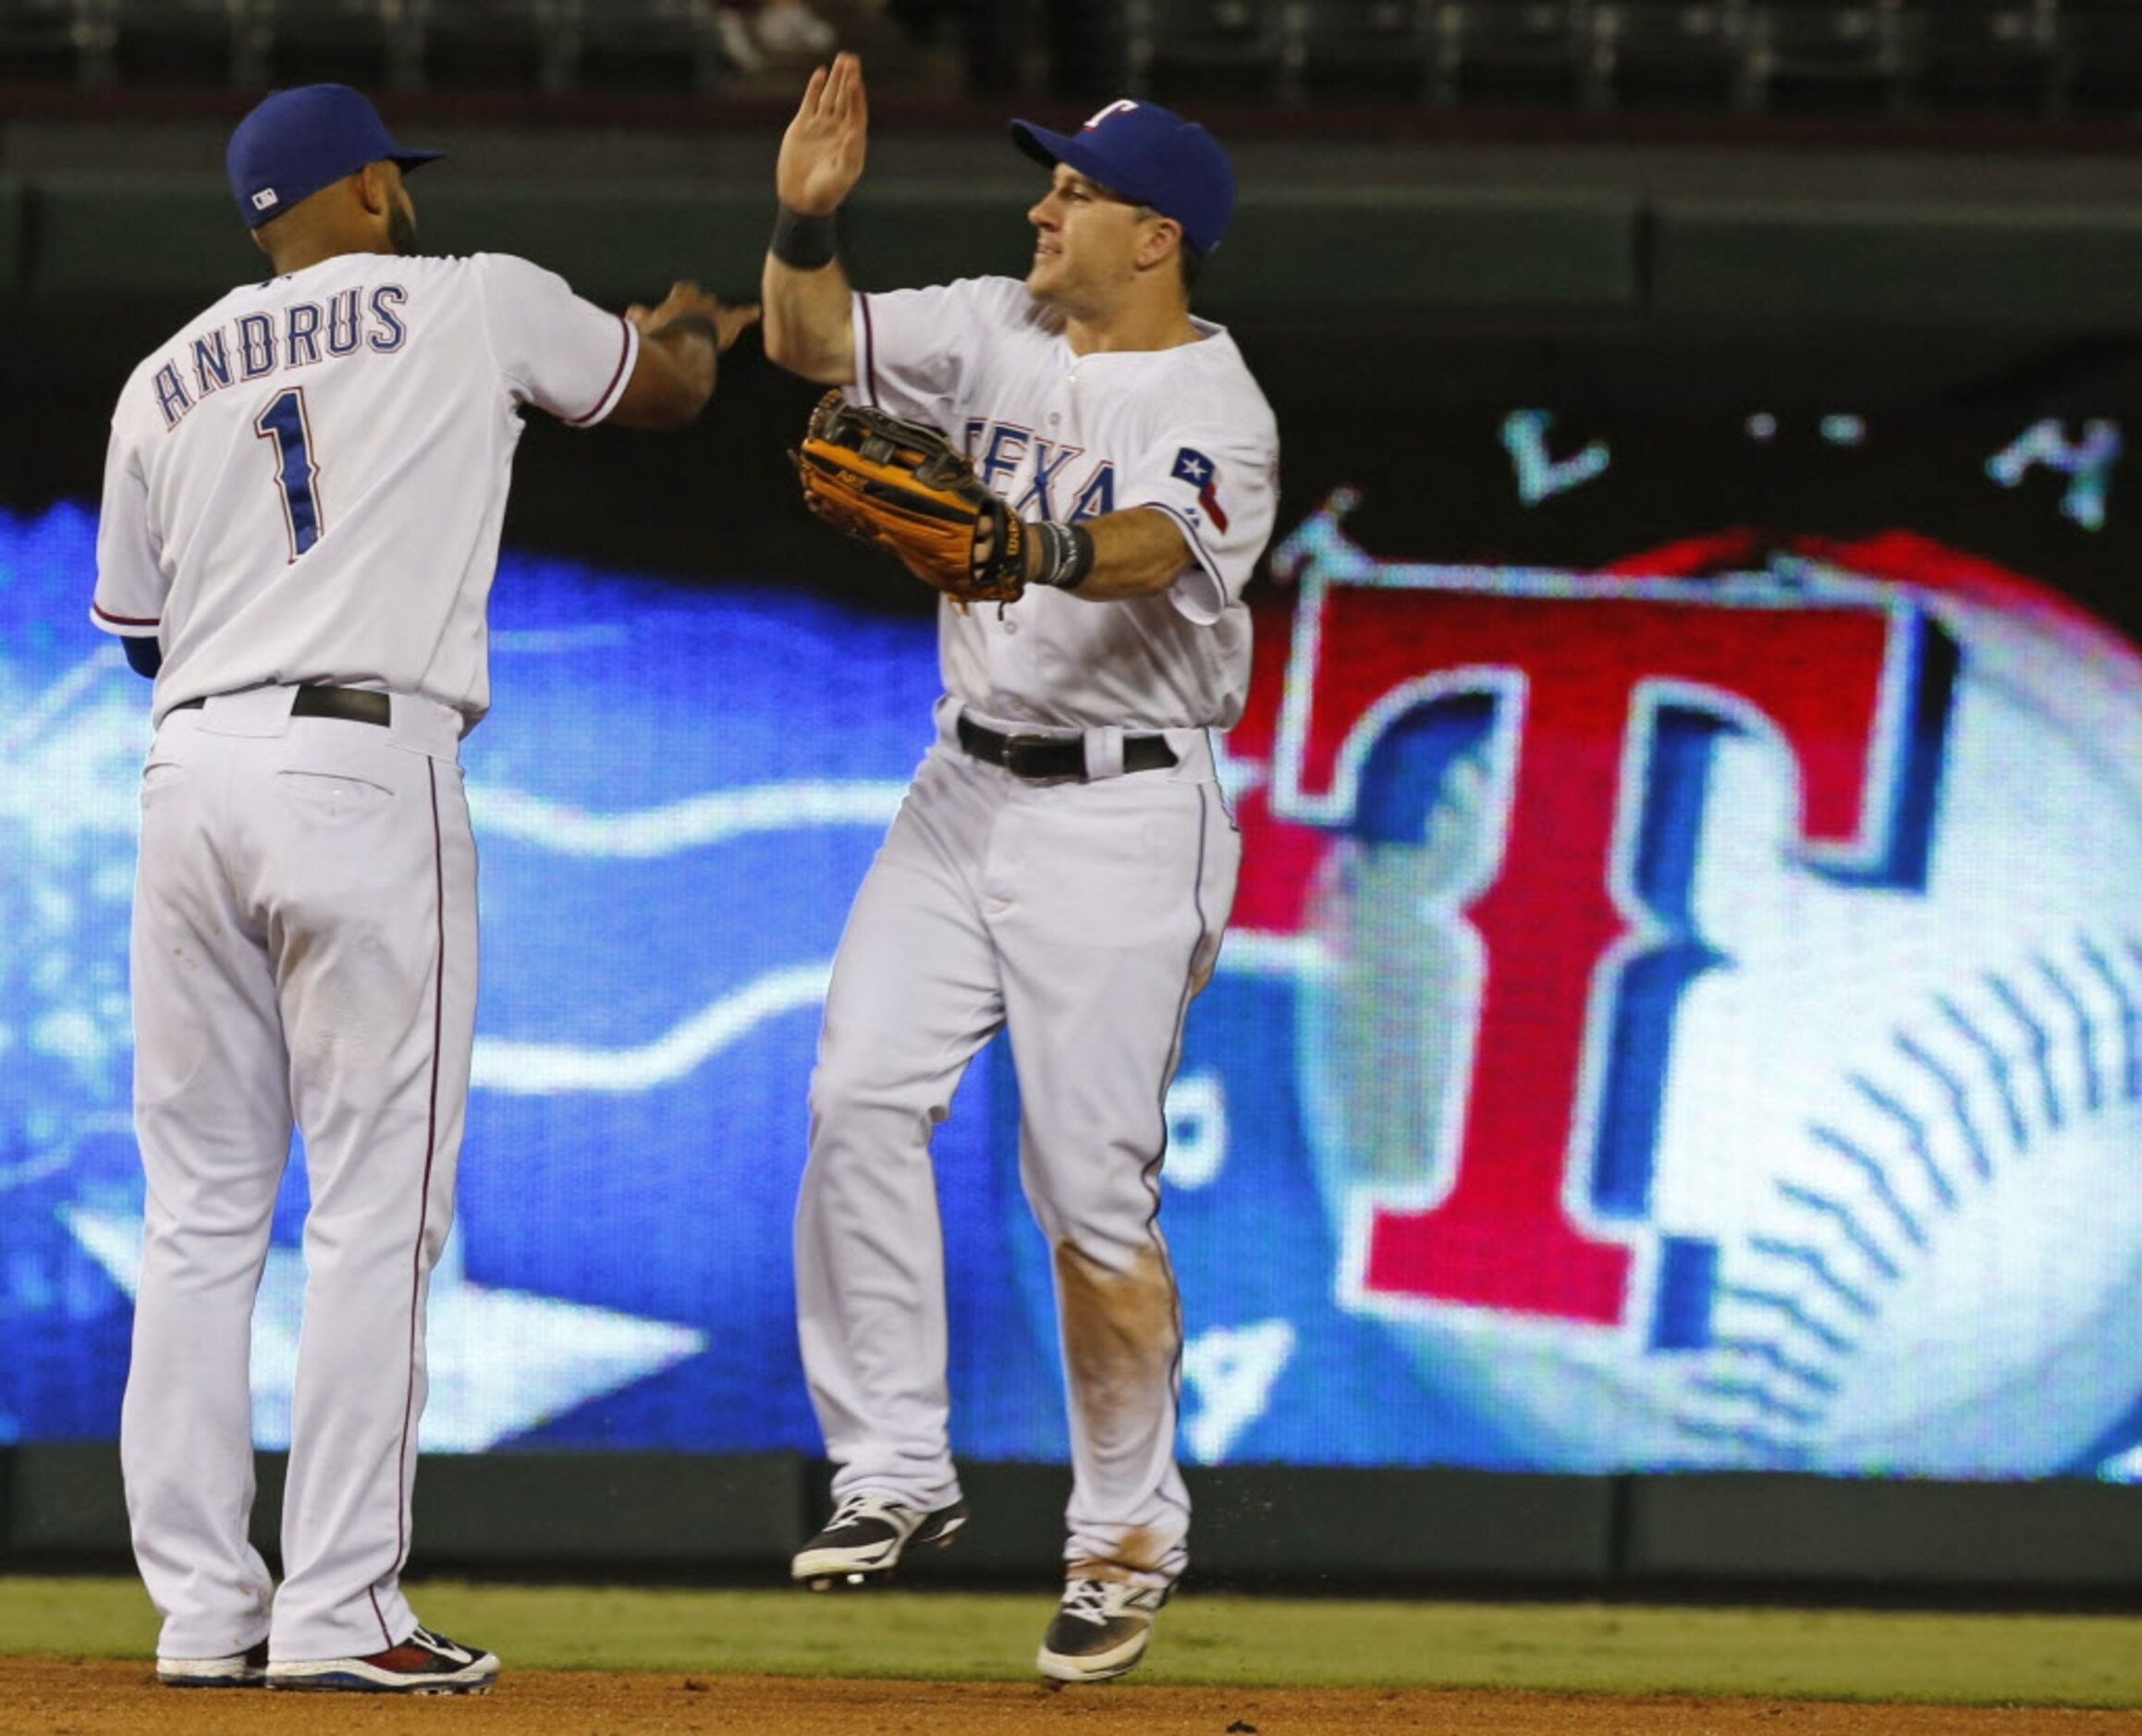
(1150, 154)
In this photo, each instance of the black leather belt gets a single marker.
(351, 704)
(1055, 756)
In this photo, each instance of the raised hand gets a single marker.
(822, 151)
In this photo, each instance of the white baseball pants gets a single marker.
(304, 950)
(1084, 916)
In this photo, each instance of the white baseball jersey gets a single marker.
(278, 508)
(1084, 912)
(305, 489)
(1065, 436)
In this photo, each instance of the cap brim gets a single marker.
(1044, 147)
(406, 160)
(1048, 148)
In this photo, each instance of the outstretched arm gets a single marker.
(680, 343)
(806, 294)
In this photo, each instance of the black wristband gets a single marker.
(801, 242)
(1063, 554)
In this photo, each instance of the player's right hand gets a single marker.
(822, 151)
(729, 321)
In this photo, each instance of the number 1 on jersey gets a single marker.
(284, 422)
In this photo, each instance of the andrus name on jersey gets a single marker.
(1000, 450)
(255, 345)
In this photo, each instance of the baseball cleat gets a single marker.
(1100, 1630)
(864, 1538)
(247, 1668)
(424, 1663)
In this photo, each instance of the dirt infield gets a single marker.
(73, 1698)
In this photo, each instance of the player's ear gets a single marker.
(1162, 239)
(373, 191)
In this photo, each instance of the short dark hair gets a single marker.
(1189, 259)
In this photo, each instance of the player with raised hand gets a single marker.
(1064, 862)
(302, 512)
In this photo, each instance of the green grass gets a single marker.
(1846, 1655)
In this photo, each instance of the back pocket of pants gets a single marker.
(334, 798)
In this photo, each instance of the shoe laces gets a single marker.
(865, 1504)
(1088, 1601)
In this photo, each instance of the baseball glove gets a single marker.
(906, 488)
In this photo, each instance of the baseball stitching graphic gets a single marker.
(1901, 1126)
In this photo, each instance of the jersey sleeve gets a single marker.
(915, 349)
(559, 352)
(131, 583)
(1218, 480)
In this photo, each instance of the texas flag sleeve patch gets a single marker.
(1193, 467)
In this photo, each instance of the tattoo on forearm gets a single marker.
(692, 326)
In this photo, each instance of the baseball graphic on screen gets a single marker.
(1725, 1046)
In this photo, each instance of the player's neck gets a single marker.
(307, 250)
(1159, 327)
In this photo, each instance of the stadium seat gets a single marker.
(2026, 58)
(371, 44)
(1520, 53)
(43, 40)
(2100, 59)
(1237, 50)
(1821, 56)
(1998, 56)
(1393, 51)
(1671, 54)
(495, 45)
(176, 42)
(646, 45)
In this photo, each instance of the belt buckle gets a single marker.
(1018, 752)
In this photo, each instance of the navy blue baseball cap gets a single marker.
(296, 142)
(1148, 154)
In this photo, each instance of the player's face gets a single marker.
(1086, 240)
(401, 218)
(401, 211)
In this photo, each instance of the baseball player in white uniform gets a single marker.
(300, 523)
(1064, 861)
